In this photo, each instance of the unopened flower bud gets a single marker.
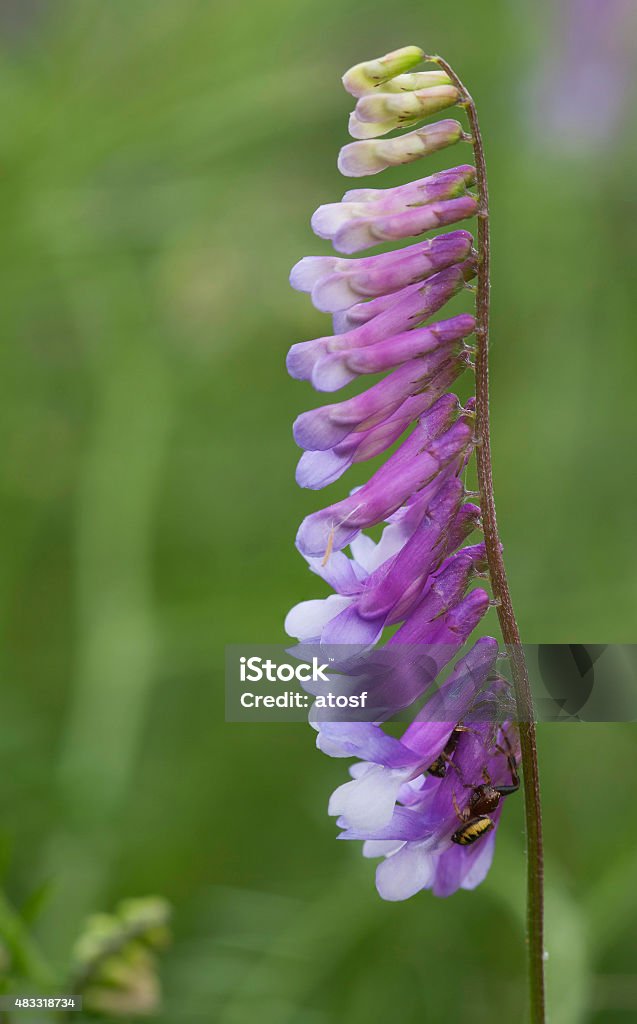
(381, 112)
(417, 80)
(365, 77)
(374, 155)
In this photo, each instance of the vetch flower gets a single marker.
(386, 763)
(331, 362)
(428, 842)
(325, 426)
(394, 677)
(317, 468)
(365, 217)
(374, 155)
(428, 802)
(435, 442)
(427, 737)
(378, 593)
(336, 284)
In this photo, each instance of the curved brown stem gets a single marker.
(497, 571)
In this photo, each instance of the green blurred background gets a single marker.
(159, 163)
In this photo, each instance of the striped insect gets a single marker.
(475, 818)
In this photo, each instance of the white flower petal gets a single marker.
(368, 802)
(405, 872)
(306, 620)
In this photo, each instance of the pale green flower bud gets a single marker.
(381, 112)
(417, 80)
(365, 77)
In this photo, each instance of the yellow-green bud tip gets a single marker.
(364, 78)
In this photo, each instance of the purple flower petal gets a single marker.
(397, 678)
(391, 353)
(358, 234)
(349, 627)
(409, 307)
(460, 622)
(413, 465)
(336, 284)
(425, 547)
(364, 740)
(323, 428)
(366, 217)
(449, 583)
(317, 469)
(342, 573)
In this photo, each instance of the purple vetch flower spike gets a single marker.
(427, 803)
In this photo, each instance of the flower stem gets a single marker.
(506, 615)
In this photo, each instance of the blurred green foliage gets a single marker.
(160, 160)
